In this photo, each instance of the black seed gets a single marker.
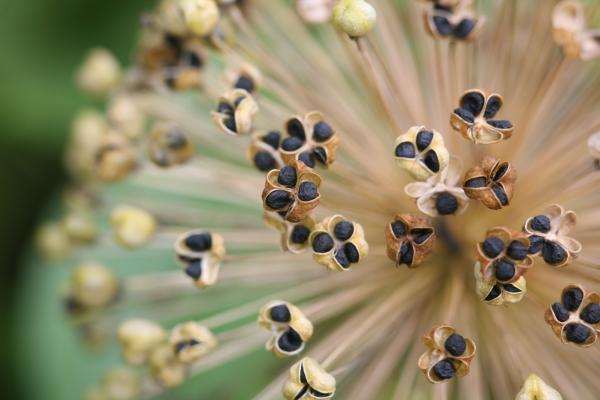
(577, 333)
(322, 243)
(405, 150)
(194, 269)
(535, 244)
(272, 139)
(591, 313)
(572, 298)
(465, 114)
(307, 191)
(540, 223)
(442, 25)
(343, 230)
(504, 269)
(494, 293)
(264, 161)
(500, 171)
(431, 161)
(245, 83)
(351, 252)
(173, 42)
(290, 341)
(303, 379)
(517, 250)
(476, 182)
(500, 194)
(444, 369)
(299, 234)
(192, 59)
(398, 228)
(500, 124)
(560, 312)
(341, 258)
(179, 346)
(291, 143)
(446, 203)
(473, 102)
(230, 124)
(307, 158)
(295, 128)
(199, 241)
(320, 154)
(492, 246)
(553, 253)
(279, 199)
(405, 256)
(492, 107)
(287, 176)
(238, 101)
(420, 235)
(322, 131)
(424, 139)
(509, 287)
(280, 313)
(464, 28)
(455, 344)
(225, 108)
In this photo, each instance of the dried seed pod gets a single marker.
(292, 191)
(504, 255)
(308, 380)
(448, 354)
(594, 148)
(235, 112)
(452, 20)
(576, 318)
(169, 145)
(115, 158)
(52, 241)
(354, 17)
(337, 243)
(294, 235)
(100, 72)
(474, 118)
(185, 71)
(132, 226)
(491, 182)
(421, 152)
(548, 234)
(80, 227)
(289, 326)
(120, 384)
(201, 16)
(201, 253)
(409, 239)
(191, 341)
(165, 367)
(535, 388)
(138, 337)
(495, 293)
(315, 11)
(91, 286)
(264, 151)
(570, 31)
(247, 77)
(126, 117)
(87, 132)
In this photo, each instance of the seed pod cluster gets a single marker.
(337, 243)
(289, 326)
(571, 33)
(191, 341)
(576, 318)
(448, 354)
(235, 112)
(294, 235)
(264, 151)
(491, 182)
(200, 253)
(308, 380)
(169, 145)
(138, 337)
(495, 293)
(409, 239)
(451, 20)
(421, 152)
(133, 227)
(92, 286)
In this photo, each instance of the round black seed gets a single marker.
(560, 312)
(431, 161)
(424, 139)
(287, 176)
(500, 171)
(398, 228)
(320, 154)
(173, 41)
(464, 28)
(540, 223)
(299, 234)
(295, 128)
(245, 83)
(500, 194)
(455, 345)
(535, 244)
(492, 246)
(517, 250)
(343, 230)
(504, 269)
(225, 108)
(494, 293)
(500, 124)
(192, 59)
(279, 199)
(473, 102)
(351, 252)
(420, 235)
(444, 369)
(322, 243)
(229, 123)
(341, 258)
(591, 313)
(289, 341)
(307, 191)
(405, 150)
(307, 158)
(199, 241)
(572, 298)
(405, 256)
(194, 269)
(553, 253)
(492, 107)
(280, 313)
(465, 114)
(509, 287)
(272, 139)
(264, 161)
(322, 131)
(442, 25)
(446, 203)
(291, 143)
(577, 333)
(476, 182)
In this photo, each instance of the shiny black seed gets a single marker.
(446, 203)
(494, 293)
(540, 223)
(320, 154)
(340, 257)
(476, 182)
(343, 230)
(553, 253)
(504, 269)
(299, 234)
(424, 139)
(264, 161)
(465, 114)
(572, 298)
(194, 269)
(291, 143)
(492, 246)
(280, 313)
(199, 241)
(577, 333)
(420, 235)
(500, 172)
(535, 244)
(591, 313)
(192, 59)
(492, 107)
(279, 199)
(455, 345)
(405, 150)
(322, 131)
(509, 287)
(322, 243)
(307, 191)
(351, 252)
(464, 28)
(272, 139)
(500, 124)
(307, 158)
(431, 161)
(245, 83)
(405, 256)
(229, 123)
(289, 341)
(398, 228)
(560, 312)
(473, 102)
(444, 369)
(500, 194)
(225, 108)
(295, 128)
(517, 250)
(442, 25)
(287, 176)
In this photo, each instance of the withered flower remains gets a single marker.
(491, 182)
(289, 326)
(409, 239)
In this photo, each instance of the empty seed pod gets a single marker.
(421, 152)
(315, 11)
(138, 337)
(200, 253)
(115, 158)
(307, 380)
(264, 151)
(535, 388)
(409, 239)
(504, 255)
(571, 33)
(132, 226)
(165, 367)
(289, 327)
(100, 72)
(191, 341)
(169, 145)
(235, 112)
(294, 235)
(496, 293)
(354, 17)
(91, 286)
(491, 182)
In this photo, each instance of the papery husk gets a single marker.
(483, 287)
(414, 166)
(137, 338)
(165, 368)
(357, 239)
(160, 150)
(536, 389)
(115, 159)
(298, 322)
(316, 377)
(393, 244)
(243, 114)
(191, 330)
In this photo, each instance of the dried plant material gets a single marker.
(117, 384)
(594, 147)
(126, 117)
(115, 159)
(52, 241)
(570, 31)
(495, 293)
(191, 341)
(169, 145)
(235, 112)
(264, 151)
(80, 227)
(289, 327)
(87, 133)
(307, 380)
(491, 182)
(535, 388)
(91, 286)
(337, 243)
(448, 354)
(138, 337)
(247, 77)
(452, 20)
(421, 152)
(100, 72)
(200, 16)
(132, 227)
(409, 239)
(504, 255)
(294, 235)
(165, 367)
(185, 72)
(354, 17)
(315, 11)
(201, 252)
